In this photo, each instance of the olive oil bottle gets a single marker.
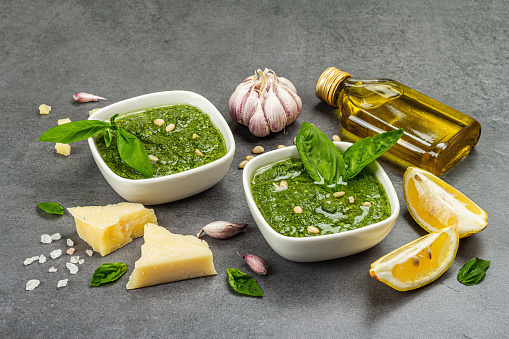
(436, 135)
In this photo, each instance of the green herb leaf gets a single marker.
(51, 207)
(133, 153)
(108, 136)
(368, 149)
(473, 271)
(107, 273)
(73, 131)
(322, 160)
(243, 283)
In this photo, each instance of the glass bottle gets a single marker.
(436, 135)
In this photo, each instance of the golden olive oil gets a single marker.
(436, 135)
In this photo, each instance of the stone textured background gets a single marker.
(454, 51)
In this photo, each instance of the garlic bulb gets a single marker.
(265, 103)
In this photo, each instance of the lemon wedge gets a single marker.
(419, 262)
(435, 205)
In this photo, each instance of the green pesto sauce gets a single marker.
(329, 214)
(175, 150)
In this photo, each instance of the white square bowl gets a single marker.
(322, 247)
(153, 191)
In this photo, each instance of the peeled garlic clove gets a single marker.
(258, 125)
(222, 229)
(274, 112)
(255, 263)
(86, 97)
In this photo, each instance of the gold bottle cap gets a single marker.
(327, 84)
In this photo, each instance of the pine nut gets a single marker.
(170, 128)
(351, 200)
(336, 138)
(153, 158)
(338, 194)
(198, 152)
(249, 157)
(159, 122)
(366, 203)
(313, 230)
(195, 136)
(297, 209)
(242, 164)
(283, 183)
(258, 150)
(281, 146)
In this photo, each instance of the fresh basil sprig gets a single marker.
(130, 148)
(473, 271)
(51, 207)
(107, 273)
(243, 283)
(325, 164)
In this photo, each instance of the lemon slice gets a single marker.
(435, 205)
(419, 262)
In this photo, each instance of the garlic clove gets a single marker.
(222, 229)
(274, 111)
(258, 125)
(255, 263)
(287, 83)
(237, 101)
(297, 99)
(86, 97)
(289, 104)
(250, 107)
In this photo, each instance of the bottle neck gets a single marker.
(329, 85)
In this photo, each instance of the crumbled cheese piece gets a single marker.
(32, 284)
(44, 109)
(64, 149)
(52, 269)
(42, 259)
(75, 259)
(46, 239)
(56, 236)
(63, 121)
(62, 283)
(70, 251)
(73, 269)
(89, 252)
(28, 261)
(81, 261)
(93, 111)
(70, 242)
(55, 254)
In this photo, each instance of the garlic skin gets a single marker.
(222, 229)
(265, 103)
(255, 263)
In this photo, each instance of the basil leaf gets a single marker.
(368, 149)
(133, 153)
(112, 119)
(108, 136)
(320, 157)
(73, 131)
(51, 207)
(243, 283)
(473, 271)
(107, 273)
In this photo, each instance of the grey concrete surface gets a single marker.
(455, 51)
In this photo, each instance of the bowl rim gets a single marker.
(286, 153)
(228, 138)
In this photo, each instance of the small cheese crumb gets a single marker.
(42, 259)
(46, 239)
(73, 269)
(89, 252)
(32, 284)
(75, 259)
(55, 254)
(70, 251)
(44, 109)
(63, 121)
(28, 261)
(52, 269)
(64, 149)
(62, 283)
(81, 261)
(70, 242)
(93, 111)
(56, 236)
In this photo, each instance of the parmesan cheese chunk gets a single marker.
(63, 149)
(167, 257)
(44, 109)
(107, 228)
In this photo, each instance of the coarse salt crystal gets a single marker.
(28, 261)
(56, 236)
(52, 269)
(55, 254)
(73, 269)
(46, 239)
(70, 251)
(81, 261)
(32, 284)
(70, 242)
(62, 283)
(75, 259)
(89, 252)
(42, 259)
